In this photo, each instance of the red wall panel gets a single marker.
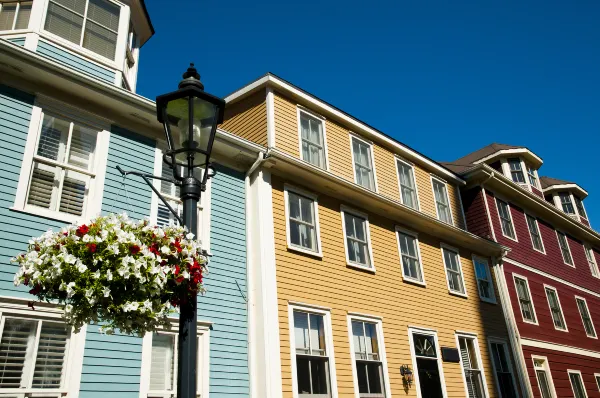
(537, 192)
(475, 213)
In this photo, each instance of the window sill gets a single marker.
(508, 237)
(487, 300)
(539, 251)
(531, 322)
(361, 267)
(570, 265)
(305, 251)
(592, 337)
(561, 330)
(414, 281)
(458, 294)
(52, 215)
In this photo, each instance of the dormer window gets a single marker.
(580, 208)
(567, 204)
(92, 24)
(532, 176)
(15, 15)
(516, 170)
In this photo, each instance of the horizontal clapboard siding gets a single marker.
(248, 118)
(224, 302)
(74, 61)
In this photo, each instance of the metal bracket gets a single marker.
(146, 178)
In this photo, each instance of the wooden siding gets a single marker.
(329, 282)
(286, 126)
(387, 177)
(247, 118)
(426, 200)
(476, 214)
(339, 152)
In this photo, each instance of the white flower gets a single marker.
(96, 274)
(165, 250)
(68, 308)
(106, 292)
(69, 258)
(70, 290)
(189, 236)
(109, 275)
(147, 305)
(81, 267)
(87, 238)
(131, 306)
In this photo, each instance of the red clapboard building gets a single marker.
(549, 281)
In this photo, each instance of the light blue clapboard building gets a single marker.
(68, 116)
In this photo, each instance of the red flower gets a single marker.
(154, 249)
(197, 278)
(84, 229)
(177, 246)
(179, 279)
(36, 289)
(66, 233)
(195, 266)
(134, 249)
(91, 247)
(177, 270)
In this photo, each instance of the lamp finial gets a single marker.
(191, 77)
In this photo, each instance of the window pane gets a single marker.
(369, 377)
(43, 185)
(580, 208)
(516, 171)
(100, 40)
(16, 348)
(104, 13)
(567, 205)
(407, 185)
(301, 335)
(577, 384)
(162, 364)
(53, 138)
(83, 143)
(312, 375)
(23, 16)
(544, 384)
(50, 360)
(75, 5)
(7, 15)
(64, 23)
(73, 193)
(317, 335)
(424, 345)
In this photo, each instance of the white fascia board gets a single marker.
(514, 151)
(565, 187)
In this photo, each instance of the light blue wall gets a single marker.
(74, 61)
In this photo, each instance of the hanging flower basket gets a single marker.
(127, 275)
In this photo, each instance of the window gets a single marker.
(33, 355)
(159, 362)
(471, 366)
(92, 24)
(577, 384)
(356, 239)
(563, 243)
(525, 303)
(364, 174)
(516, 171)
(454, 275)
(484, 279)
(410, 256)
(367, 349)
(534, 232)
(506, 222)
(302, 221)
(586, 318)
(565, 201)
(580, 208)
(544, 377)
(597, 377)
(311, 353)
(591, 258)
(408, 187)
(442, 203)
(429, 377)
(15, 15)
(312, 141)
(555, 308)
(532, 176)
(503, 369)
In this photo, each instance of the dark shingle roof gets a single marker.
(456, 167)
(549, 181)
(482, 153)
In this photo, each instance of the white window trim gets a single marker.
(569, 371)
(507, 172)
(93, 205)
(437, 214)
(548, 372)
(537, 224)
(568, 247)
(428, 332)
(370, 144)
(412, 166)
(204, 204)
(595, 336)
(313, 197)
(416, 236)
(299, 111)
(597, 380)
(74, 356)
(489, 270)
(562, 313)
(537, 177)
(512, 221)
(343, 210)
(577, 210)
(507, 354)
(443, 247)
(591, 250)
(203, 334)
(472, 336)
(515, 276)
(329, 346)
(379, 327)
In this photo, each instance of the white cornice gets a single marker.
(559, 347)
(567, 187)
(514, 151)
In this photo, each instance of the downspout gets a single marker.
(260, 159)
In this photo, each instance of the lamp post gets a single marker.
(190, 117)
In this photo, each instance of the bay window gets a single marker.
(15, 15)
(580, 208)
(567, 204)
(531, 174)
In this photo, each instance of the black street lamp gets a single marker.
(190, 117)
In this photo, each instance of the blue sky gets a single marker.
(445, 78)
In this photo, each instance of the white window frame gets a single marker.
(578, 372)
(597, 379)
(13, 30)
(299, 111)
(343, 210)
(437, 214)
(93, 204)
(443, 247)
(329, 346)
(378, 321)
(568, 247)
(535, 175)
(577, 209)
(474, 258)
(512, 221)
(428, 332)
(515, 276)
(595, 336)
(472, 336)
(412, 166)
(415, 235)
(19, 308)
(507, 354)
(287, 188)
(370, 145)
(121, 43)
(204, 205)
(562, 313)
(203, 335)
(546, 368)
(593, 267)
(537, 225)
(523, 171)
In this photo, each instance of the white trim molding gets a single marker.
(577, 372)
(562, 314)
(560, 348)
(546, 368)
(270, 104)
